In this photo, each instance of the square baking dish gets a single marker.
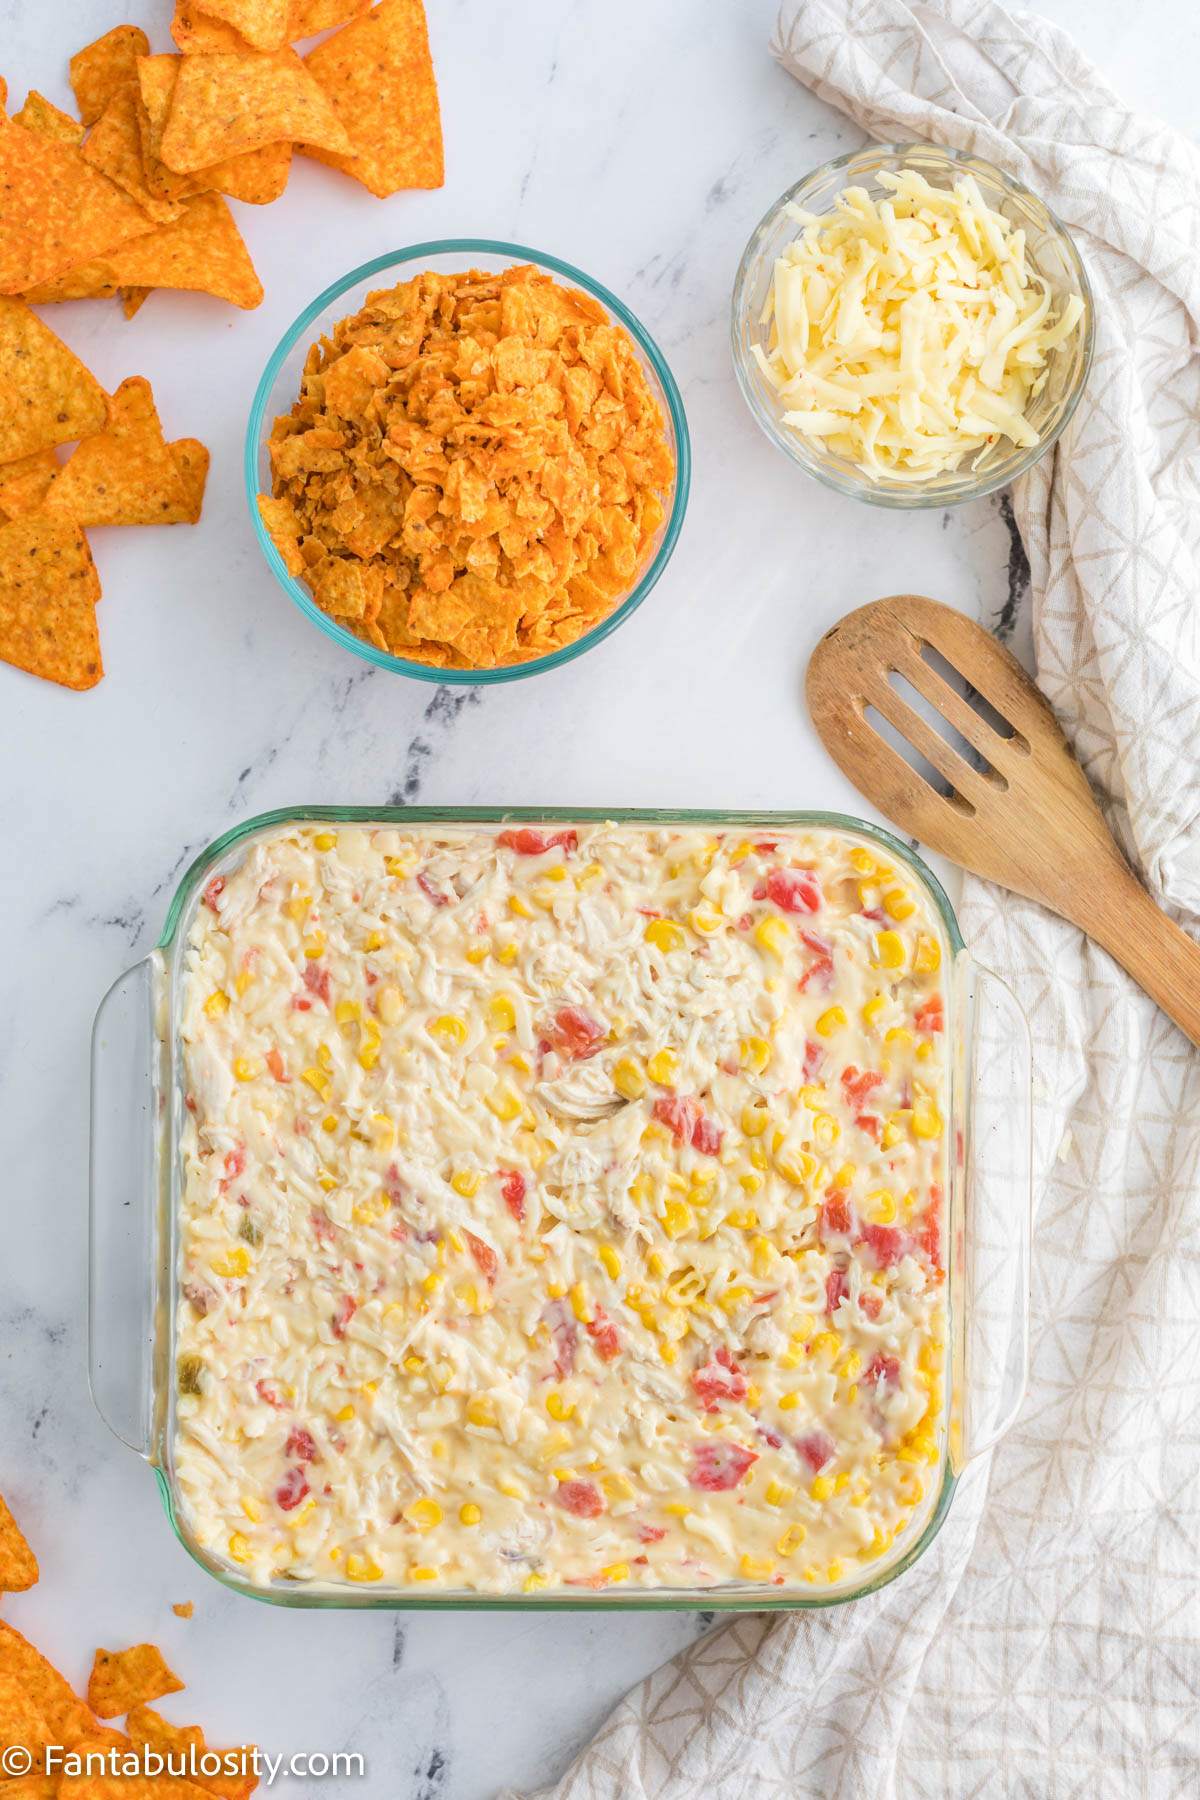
(136, 1197)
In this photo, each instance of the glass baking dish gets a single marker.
(136, 1182)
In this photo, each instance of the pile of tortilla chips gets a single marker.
(475, 471)
(39, 1708)
(129, 196)
(121, 472)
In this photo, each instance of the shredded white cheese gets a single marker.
(912, 333)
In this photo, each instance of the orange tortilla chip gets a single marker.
(121, 1679)
(125, 475)
(23, 487)
(47, 397)
(183, 1609)
(224, 106)
(114, 146)
(202, 251)
(48, 594)
(198, 34)
(99, 70)
(152, 1730)
(133, 299)
(311, 16)
(30, 1787)
(57, 209)
(258, 177)
(128, 1787)
(18, 1564)
(377, 74)
(191, 459)
(39, 115)
(263, 23)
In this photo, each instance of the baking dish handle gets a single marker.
(994, 1244)
(124, 1203)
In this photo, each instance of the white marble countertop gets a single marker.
(640, 139)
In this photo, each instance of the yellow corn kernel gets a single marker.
(579, 1303)
(826, 1340)
(216, 1004)
(750, 1183)
(804, 1328)
(466, 1182)
(796, 1166)
(327, 1183)
(424, 1573)
(481, 1412)
(889, 949)
(822, 1487)
(239, 1548)
(678, 1509)
(863, 861)
(432, 1283)
(324, 840)
(244, 1068)
(390, 1004)
(558, 1408)
(345, 1414)
(243, 982)
(252, 1509)
(347, 1012)
(850, 1365)
(233, 1264)
(898, 903)
(754, 1120)
(318, 1080)
(754, 1054)
(611, 1260)
(791, 1540)
(508, 1484)
(314, 946)
(470, 1514)
(325, 1056)
(449, 1028)
(845, 1176)
(826, 1130)
(899, 1034)
(745, 1220)
(873, 1009)
(663, 1067)
(329, 1122)
(881, 1542)
(926, 1120)
(617, 1486)
(705, 920)
(757, 1568)
(928, 956)
(518, 906)
(762, 1256)
(655, 1263)
(665, 935)
(424, 1514)
(298, 906)
(532, 1583)
(555, 1289)
(834, 1571)
(896, 1127)
(502, 1015)
(773, 935)
(669, 1352)
(779, 1494)
(789, 1402)
(375, 940)
(629, 1078)
(925, 1051)
(677, 1217)
(881, 1207)
(830, 1020)
(503, 1101)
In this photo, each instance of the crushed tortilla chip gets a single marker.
(149, 1728)
(48, 594)
(23, 487)
(263, 23)
(202, 250)
(191, 459)
(58, 210)
(114, 146)
(121, 1679)
(125, 474)
(258, 177)
(38, 114)
(18, 1564)
(100, 69)
(311, 16)
(225, 106)
(47, 397)
(30, 1787)
(183, 1609)
(475, 471)
(133, 299)
(197, 34)
(377, 74)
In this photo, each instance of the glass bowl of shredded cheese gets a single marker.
(912, 326)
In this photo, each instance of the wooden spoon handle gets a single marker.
(1162, 959)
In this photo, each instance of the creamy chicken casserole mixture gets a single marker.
(562, 1208)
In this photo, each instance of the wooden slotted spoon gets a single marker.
(1026, 819)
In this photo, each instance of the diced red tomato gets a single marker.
(887, 1243)
(652, 1534)
(795, 890)
(679, 1113)
(605, 1336)
(574, 1034)
(707, 1136)
(235, 1164)
(527, 842)
(871, 1123)
(346, 1308)
(430, 892)
(817, 1448)
(719, 1379)
(275, 1062)
(930, 1239)
(485, 1256)
(564, 1335)
(859, 1085)
(213, 891)
(323, 1227)
(266, 1390)
(316, 980)
(872, 1304)
(819, 971)
(836, 1286)
(814, 1056)
(292, 1490)
(513, 1188)
(931, 1016)
(582, 1498)
(719, 1466)
(882, 1368)
(835, 1213)
(300, 1445)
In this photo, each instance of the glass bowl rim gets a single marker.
(913, 499)
(645, 344)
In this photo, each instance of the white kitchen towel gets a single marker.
(1048, 1644)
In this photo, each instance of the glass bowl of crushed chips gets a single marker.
(912, 326)
(467, 462)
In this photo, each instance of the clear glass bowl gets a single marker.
(138, 1096)
(280, 386)
(1051, 252)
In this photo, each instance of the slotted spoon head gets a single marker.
(1020, 812)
